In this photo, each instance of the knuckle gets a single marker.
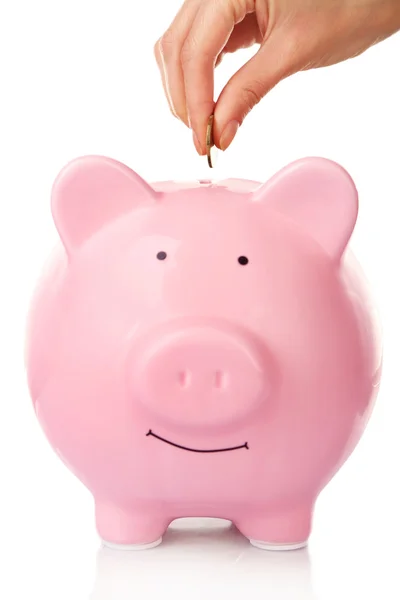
(166, 43)
(191, 54)
(220, 58)
(187, 53)
(156, 49)
(252, 95)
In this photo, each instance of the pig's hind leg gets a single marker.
(286, 530)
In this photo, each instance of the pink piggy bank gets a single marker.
(204, 349)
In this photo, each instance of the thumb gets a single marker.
(275, 60)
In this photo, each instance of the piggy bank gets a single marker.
(203, 349)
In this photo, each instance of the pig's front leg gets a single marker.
(129, 529)
(284, 530)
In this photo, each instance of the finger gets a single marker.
(276, 59)
(220, 58)
(208, 36)
(170, 47)
(245, 34)
(158, 57)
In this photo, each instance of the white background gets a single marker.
(79, 77)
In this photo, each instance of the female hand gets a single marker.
(292, 35)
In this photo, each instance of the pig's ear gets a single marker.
(319, 196)
(92, 191)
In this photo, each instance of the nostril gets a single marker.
(184, 378)
(220, 380)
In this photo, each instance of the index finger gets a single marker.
(208, 36)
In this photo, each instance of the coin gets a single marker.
(212, 152)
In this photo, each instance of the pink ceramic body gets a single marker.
(190, 383)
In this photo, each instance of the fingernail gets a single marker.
(228, 134)
(197, 143)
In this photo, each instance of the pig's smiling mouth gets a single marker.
(150, 433)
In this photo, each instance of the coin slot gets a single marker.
(184, 379)
(220, 380)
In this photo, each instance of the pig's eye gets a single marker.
(162, 255)
(243, 260)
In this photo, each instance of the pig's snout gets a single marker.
(201, 375)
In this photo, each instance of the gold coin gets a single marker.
(212, 152)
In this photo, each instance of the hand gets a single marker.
(292, 35)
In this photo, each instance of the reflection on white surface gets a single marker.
(203, 559)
